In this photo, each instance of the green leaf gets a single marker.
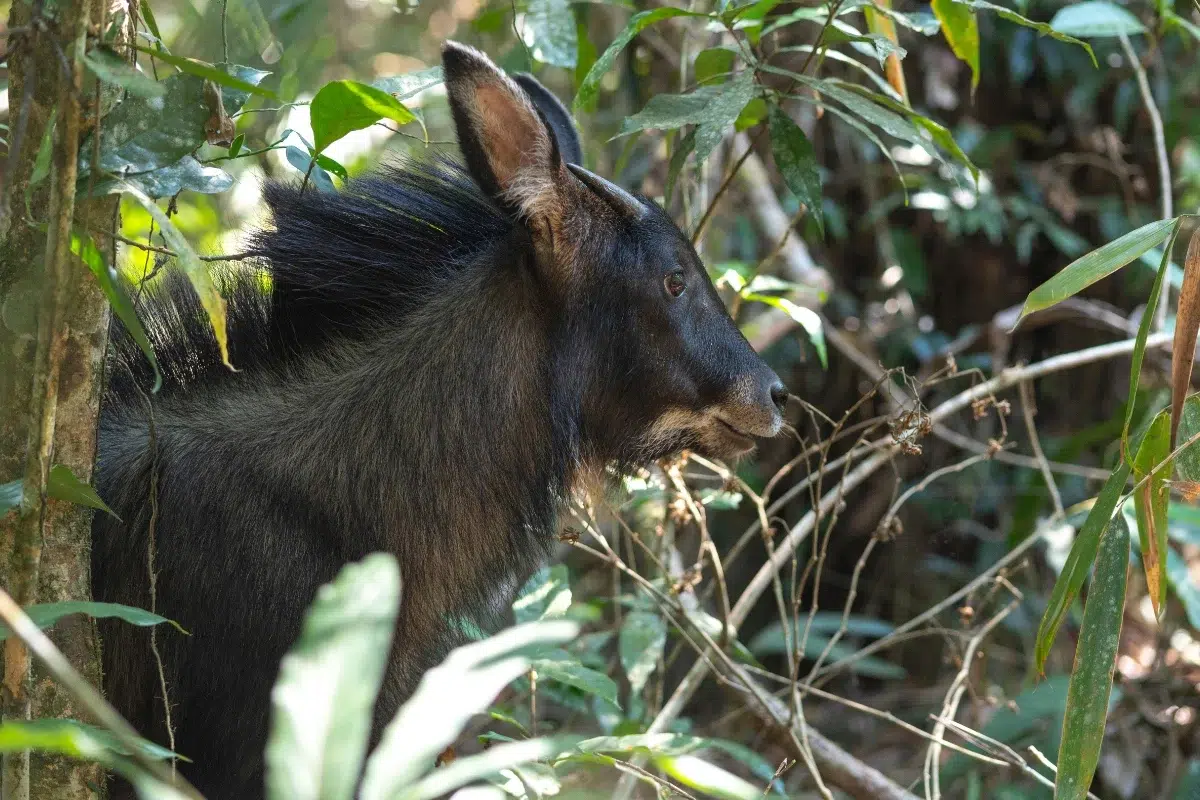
(1079, 562)
(708, 778)
(550, 24)
(640, 645)
(590, 85)
(235, 146)
(1173, 20)
(482, 765)
(1186, 590)
(186, 173)
(405, 86)
(193, 267)
(562, 667)
(217, 73)
(1188, 461)
(118, 300)
(61, 484)
(111, 68)
(752, 114)
(1150, 505)
(1096, 19)
(335, 167)
(805, 317)
(962, 33)
(1040, 27)
(344, 106)
(1095, 658)
(546, 595)
(45, 615)
(712, 109)
(77, 740)
(713, 65)
(323, 701)
(797, 163)
(141, 135)
(1098, 264)
(148, 18)
(770, 640)
(1139, 346)
(448, 696)
(303, 162)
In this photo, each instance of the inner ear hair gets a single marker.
(509, 147)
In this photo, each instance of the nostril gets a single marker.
(779, 396)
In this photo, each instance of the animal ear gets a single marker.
(510, 149)
(556, 114)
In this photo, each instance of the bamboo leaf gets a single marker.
(1040, 27)
(1150, 505)
(1095, 657)
(1188, 421)
(962, 33)
(1079, 562)
(796, 162)
(61, 484)
(1098, 264)
(1187, 324)
(45, 615)
(1139, 345)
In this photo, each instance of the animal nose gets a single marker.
(779, 395)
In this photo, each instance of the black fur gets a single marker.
(421, 372)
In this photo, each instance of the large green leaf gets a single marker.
(482, 765)
(1095, 658)
(713, 64)
(962, 33)
(712, 109)
(561, 666)
(193, 267)
(144, 134)
(185, 174)
(61, 484)
(546, 595)
(1079, 562)
(340, 107)
(217, 73)
(708, 778)
(111, 68)
(640, 645)
(796, 162)
(1040, 27)
(45, 615)
(550, 25)
(1150, 505)
(68, 737)
(804, 317)
(1096, 19)
(447, 697)
(1098, 264)
(118, 300)
(323, 701)
(590, 84)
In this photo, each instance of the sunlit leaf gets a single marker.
(550, 27)
(640, 645)
(217, 73)
(546, 595)
(490, 762)
(884, 27)
(1040, 27)
(590, 84)
(118, 300)
(45, 615)
(410, 84)
(1187, 324)
(1096, 19)
(962, 33)
(1098, 264)
(193, 267)
(805, 317)
(713, 64)
(1079, 562)
(708, 778)
(324, 698)
(340, 107)
(111, 68)
(236, 146)
(797, 163)
(1095, 659)
(1150, 504)
(447, 697)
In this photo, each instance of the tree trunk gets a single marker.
(53, 324)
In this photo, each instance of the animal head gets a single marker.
(664, 366)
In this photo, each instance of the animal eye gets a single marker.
(675, 283)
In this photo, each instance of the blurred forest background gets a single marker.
(948, 161)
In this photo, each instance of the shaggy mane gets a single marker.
(331, 266)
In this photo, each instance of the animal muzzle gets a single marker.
(754, 405)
